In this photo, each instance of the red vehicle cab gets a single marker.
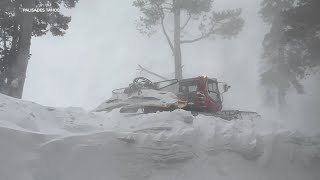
(201, 93)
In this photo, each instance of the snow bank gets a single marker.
(31, 117)
(44, 143)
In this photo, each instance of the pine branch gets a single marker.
(206, 35)
(197, 39)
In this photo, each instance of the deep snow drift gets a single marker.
(44, 143)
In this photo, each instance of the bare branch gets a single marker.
(186, 23)
(165, 33)
(152, 73)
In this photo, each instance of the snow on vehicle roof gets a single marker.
(144, 96)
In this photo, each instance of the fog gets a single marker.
(102, 49)
(100, 52)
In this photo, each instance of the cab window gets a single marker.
(213, 87)
(213, 91)
(188, 89)
(189, 86)
(192, 88)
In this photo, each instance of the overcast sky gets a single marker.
(102, 49)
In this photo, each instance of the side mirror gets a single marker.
(226, 87)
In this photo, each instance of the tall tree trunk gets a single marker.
(11, 61)
(177, 48)
(19, 69)
(10, 58)
(2, 61)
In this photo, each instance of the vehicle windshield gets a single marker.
(188, 87)
(213, 91)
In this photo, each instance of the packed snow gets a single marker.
(46, 143)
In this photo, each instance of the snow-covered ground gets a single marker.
(45, 143)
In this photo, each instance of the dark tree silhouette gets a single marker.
(291, 47)
(16, 28)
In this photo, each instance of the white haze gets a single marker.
(102, 49)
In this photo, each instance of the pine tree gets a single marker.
(276, 71)
(210, 23)
(304, 33)
(291, 48)
(17, 27)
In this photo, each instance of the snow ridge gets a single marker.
(70, 144)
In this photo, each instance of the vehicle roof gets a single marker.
(191, 79)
